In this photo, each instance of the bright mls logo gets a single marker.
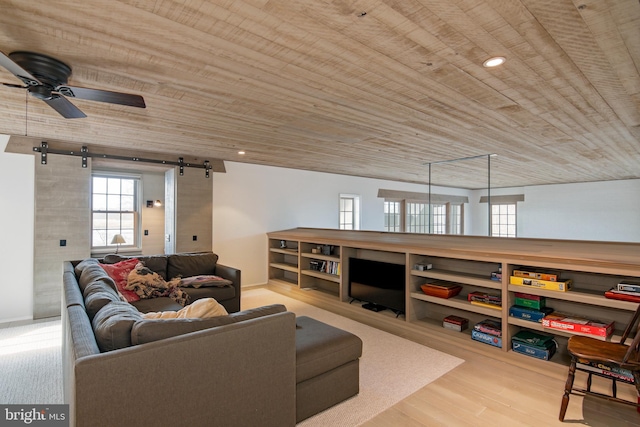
(37, 415)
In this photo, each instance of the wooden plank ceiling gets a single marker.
(374, 88)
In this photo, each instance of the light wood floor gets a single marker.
(485, 391)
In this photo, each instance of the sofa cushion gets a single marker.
(204, 281)
(112, 325)
(84, 263)
(119, 273)
(185, 265)
(144, 331)
(92, 273)
(96, 298)
(155, 263)
(156, 304)
(219, 293)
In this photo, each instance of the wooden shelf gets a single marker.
(469, 261)
(321, 275)
(320, 256)
(282, 266)
(584, 297)
(293, 252)
(458, 277)
(459, 303)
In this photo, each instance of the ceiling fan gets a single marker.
(46, 78)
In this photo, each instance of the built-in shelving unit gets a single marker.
(467, 261)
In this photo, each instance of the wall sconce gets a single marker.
(152, 204)
(118, 240)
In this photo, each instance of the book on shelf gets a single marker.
(486, 338)
(489, 326)
(560, 285)
(579, 325)
(530, 314)
(536, 273)
(622, 295)
(628, 286)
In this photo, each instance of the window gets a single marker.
(392, 216)
(115, 208)
(503, 220)
(407, 211)
(349, 212)
(417, 218)
(456, 219)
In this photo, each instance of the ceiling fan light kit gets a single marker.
(45, 78)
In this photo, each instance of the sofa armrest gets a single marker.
(232, 274)
(235, 375)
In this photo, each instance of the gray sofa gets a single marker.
(252, 367)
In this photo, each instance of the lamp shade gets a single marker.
(118, 239)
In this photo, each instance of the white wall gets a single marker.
(16, 228)
(607, 210)
(251, 200)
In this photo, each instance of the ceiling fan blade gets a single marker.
(18, 71)
(102, 96)
(63, 106)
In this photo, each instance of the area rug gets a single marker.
(391, 368)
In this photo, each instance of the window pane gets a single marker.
(99, 185)
(100, 221)
(113, 222)
(127, 203)
(99, 237)
(128, 187)
(127, 221)
(113, 185)
(113, 202)
(99, 202)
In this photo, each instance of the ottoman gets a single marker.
(327, 366)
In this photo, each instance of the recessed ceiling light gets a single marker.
(494, 62)
(241, 153)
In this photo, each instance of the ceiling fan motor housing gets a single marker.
(49, 71)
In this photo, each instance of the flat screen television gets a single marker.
(380, 284)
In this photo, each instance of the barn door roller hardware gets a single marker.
(84, 153)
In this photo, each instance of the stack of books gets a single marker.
(529, 307)
(578, 325)
(485, 300)
(488, 331)
(534, 344)
(535, 278)
(626, 290)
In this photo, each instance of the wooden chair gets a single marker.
(616, 355)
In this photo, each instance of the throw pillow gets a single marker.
(199, 309)
(204, 281)
(119, 273)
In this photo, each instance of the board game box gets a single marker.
(490, 327)
(562, 286)
(534, 344)
(580, 325)
(486, 338)
(455, 323)
(530, 314)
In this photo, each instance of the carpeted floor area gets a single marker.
(391, 367)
